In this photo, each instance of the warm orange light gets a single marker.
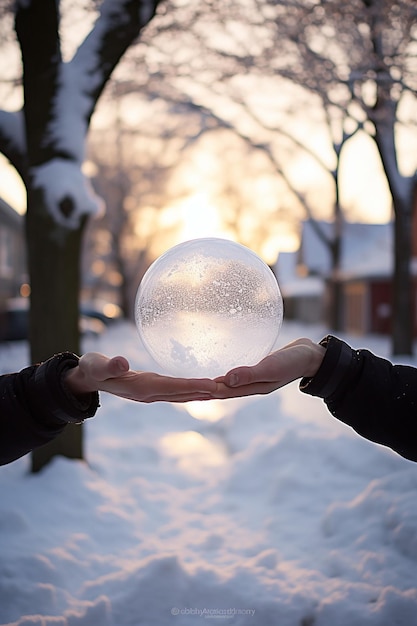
(25, 290)
(200, 218)
(111, 310)
(193, 452)
(211, 411)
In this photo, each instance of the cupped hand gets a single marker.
(97, 372)
(296, 360)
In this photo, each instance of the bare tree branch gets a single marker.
(118, 25)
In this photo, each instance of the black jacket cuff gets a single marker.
(334, 370)
(58, 401)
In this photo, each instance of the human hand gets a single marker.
(97, 372)
(296, 360)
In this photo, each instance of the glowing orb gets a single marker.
(208, 305)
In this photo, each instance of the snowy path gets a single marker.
(261, 511)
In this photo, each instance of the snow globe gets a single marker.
(207, 305)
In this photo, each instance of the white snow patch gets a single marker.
(73, 103)
(61, 179)
(276, 513)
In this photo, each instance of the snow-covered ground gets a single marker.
(261, 511)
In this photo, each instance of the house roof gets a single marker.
(367, 250)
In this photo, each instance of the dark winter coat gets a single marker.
(35, 406)
(370, 394)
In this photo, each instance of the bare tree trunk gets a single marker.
(54, 226)
(403, 314)
(54, 254)
(53, 250)
(335, 247)
(402, 190)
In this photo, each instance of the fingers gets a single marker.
(169, 389)
(151, 387)
(295, 360)
(223, 391)
(178, 398)
(266, 370)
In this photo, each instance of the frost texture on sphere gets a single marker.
(208, 305)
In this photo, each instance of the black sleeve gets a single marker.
(370, 394)
(35, 406)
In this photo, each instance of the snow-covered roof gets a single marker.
(307, 287)
(367, 250)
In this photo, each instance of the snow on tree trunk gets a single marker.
(59, 100)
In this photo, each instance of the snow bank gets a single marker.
(260, 511)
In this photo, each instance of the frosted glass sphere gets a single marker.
(208, 305)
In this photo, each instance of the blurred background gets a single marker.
(281, 125)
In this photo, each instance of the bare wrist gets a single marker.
(76, 382)
(316, 356)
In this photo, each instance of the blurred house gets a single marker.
(365, 275)
(13, 273)
(303, 294)
(12, 252)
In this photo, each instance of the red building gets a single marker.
(365, 274)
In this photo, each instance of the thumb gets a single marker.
(117, 366)
(239, 376)
(96, 366)
(264, 371)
